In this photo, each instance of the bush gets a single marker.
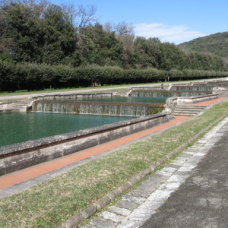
(32, 76)
(9, 77)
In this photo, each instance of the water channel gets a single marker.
(20, 127)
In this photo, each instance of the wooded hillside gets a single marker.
(215, 43)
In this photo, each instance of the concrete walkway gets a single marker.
(19, 181)
(25, 96)
(202, 201)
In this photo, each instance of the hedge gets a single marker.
(40, 76)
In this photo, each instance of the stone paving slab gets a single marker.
(163, 184)
(119, 211)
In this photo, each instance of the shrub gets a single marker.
(39, 76)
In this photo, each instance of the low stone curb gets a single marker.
(101, 203)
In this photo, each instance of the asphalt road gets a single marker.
(202, 201)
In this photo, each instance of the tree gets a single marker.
(147, 52)
(58, 35)
(125, 34)
(40, 32)
(171, 57)
(85, 16)
(20, 32)
(36, 33)
(97, 46)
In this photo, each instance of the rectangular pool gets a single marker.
(20, 127)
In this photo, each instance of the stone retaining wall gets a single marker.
(97, 108)
(221, 91)
(72, 96)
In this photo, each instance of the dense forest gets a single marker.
(216, 43)
(44, 45)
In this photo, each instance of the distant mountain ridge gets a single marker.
(215, 43)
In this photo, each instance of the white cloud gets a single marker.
(174, 34)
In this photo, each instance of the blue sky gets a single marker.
(170, 20)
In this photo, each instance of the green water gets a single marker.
(20, 127)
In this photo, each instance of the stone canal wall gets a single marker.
(78, 104)
(22, 155)
(96, 108)
(73, 96)
(185, 90)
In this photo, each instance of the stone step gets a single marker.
(196, 109)
(19, 104)
(191, 105)
(18, 107)
(23, 104)
(185, 110)
(190, 109)
(9, 110)
(185, 113)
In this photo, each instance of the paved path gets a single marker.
(207, 103)
(25, 96)
(91, 90)
(203, 200)
(19, 181)
(189, 192)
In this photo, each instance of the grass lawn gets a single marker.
(54, 201)
(24, 92)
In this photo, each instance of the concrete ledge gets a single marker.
(21, 155)
(74, 96)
